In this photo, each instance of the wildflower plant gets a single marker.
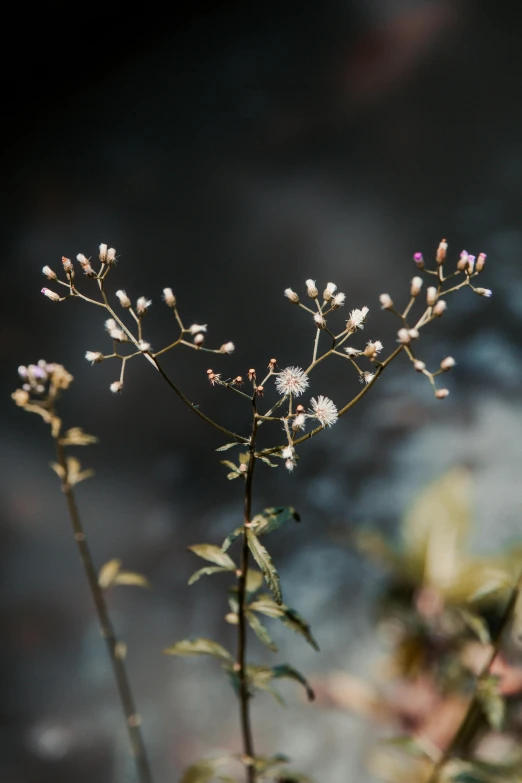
(275, 400)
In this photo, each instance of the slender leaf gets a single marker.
(287, 671)
(476, 624)
(198, 647)
(131, 578)
(207, 571)
(228, 446)
(268, 462)
(260, 631)
(254, 580)
(264, 562)
(229, 464)
(288, 617)
(272, 518)
(492, 703)
(229, 540)
(108, 573)
(244, 458)
(490, 588)
(214, 554)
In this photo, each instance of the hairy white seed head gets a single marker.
(403, 336)
(116, 387)
(414, 334)
(197, 328)
(111, 255)
(441, 393)
(386, 301)
(353, 351)
(52, 295)
(484, 292)
(144, 346)
(338, 300)
(124, 299)
(299, 422)
(311, 289)
(168, 296)
(94, 357)
(48, 272)
(292, 380)
(416, 285)
(142, 305)
(319, 320)
(431, 296)
(367, 377)
(110, 324)
(290, 465)
(372, 349)
(290, 294)
(329, 291)
(228, 347)
(82, 259)
(440, 308)
(118, 335)
(447, 363)
(324, 410)
(356, 319)
(103, 253)
(418, 365)
(288, 452)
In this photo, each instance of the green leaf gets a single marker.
(244, 458)
(204, 771)
(254, 580)
(269, 763)
(229, 464)
(228, 446)
(288, 617)
(271, 519)
(264, 562)
(490, 588)
(199, 647)
(261, 677)
(476, 624)
(229, 540)
(287, 671)
(207, 571)
(108, 573)
(260, 631)
(492, 703)
(213, 554)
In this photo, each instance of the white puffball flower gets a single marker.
(93, 356)
(110, 324)
(288, 452)
(299, 422)
(357, 318)
(329, 291)
(319, 320)
(48, 272)
(338, 300)
(144, 346)
(116, 387)
(324, 410)
(197, 328)
(292, 380)
(367, 377)
(142, 305)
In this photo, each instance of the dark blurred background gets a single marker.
(228, 153)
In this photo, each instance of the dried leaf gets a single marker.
(131, 578)
(108, 573)
(214, 554)
(260, 631)
(77, 437)
(264, 562)
(271, 519)
(198, 647)
(207, 571)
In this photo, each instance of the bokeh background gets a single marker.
(229, 153)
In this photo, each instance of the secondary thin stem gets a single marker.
(244, 695)
(115, 648)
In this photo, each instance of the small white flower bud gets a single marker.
(386, 301)
(484, 291)
(111, 255)
(144, 346)
(338, 300)
(312, 289)
(329, 291)
(116, 387)
(168, 296)
(48, 272)
(319, 320)
(22, 371)
(404, 336)
(414, 334)
(103, 253)
(290, 294)
(94, 356)
(439, 308)
(228, 348)
(110, 324)
(431, 296)
(142, 305)
(441, 251)
(462, 263)
(67, 265)
(52, 295)
(197, 328)
(124, 299)
(447, 363)
(416, 285)
(418, 365)
(82, 259)
(441, 393)
(471, 265)
(481, 262)
(199, 339)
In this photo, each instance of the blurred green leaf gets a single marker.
(108, 573)
(229, 540)
(198, 647)
(204, 771)
(288, 617)
(264, 562)
(260, 631)
(288, 672)
(268, 462)
(131, 578)
(492, 587)
(492, 703)
(214, 554)
(476, 624)
(228, 446)
(254, 580)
